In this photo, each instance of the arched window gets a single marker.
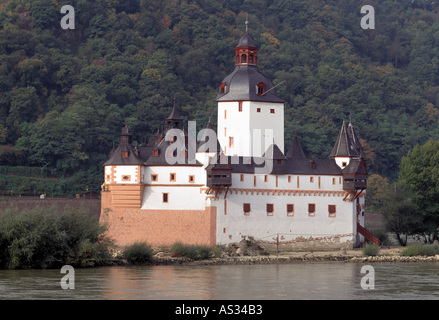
(244, 58)
(260, 88)
(250, 59)
(222, 87)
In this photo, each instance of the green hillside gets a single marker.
(65, 94)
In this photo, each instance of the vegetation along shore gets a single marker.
(51, 237)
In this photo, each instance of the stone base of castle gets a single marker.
(158, 227)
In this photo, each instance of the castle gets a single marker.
(239, 182)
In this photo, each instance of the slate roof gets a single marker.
(355, 166)
(288, 166)
(163, 159)
(354, 139)
(274, 153)
(344, 146)
(241, 84)
(125, 145)
(175, 113)
(295, 150)
(247, 41)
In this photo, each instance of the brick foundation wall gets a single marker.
(158, 227)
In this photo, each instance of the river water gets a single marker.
(228, 282)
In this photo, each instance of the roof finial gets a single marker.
(246, 22)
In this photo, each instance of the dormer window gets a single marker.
(155, 152)
(222, 88)
(125, 154)
(260, 88)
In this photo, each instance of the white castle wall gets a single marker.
(124, 171)
(233, 224)
(182, 194)
(249, 127)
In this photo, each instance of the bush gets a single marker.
(371, 250)
(418, 249)
(42, 238)
(138, 253)
(191, 251)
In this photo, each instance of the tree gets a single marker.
(25, 106)
(401, 214)
(420, 171)
(376, 187)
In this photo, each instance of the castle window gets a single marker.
(251, 59)
(311, 179)
(246, 208)
(333, 180)
(265, 178)
(125, 154)
(311, 209)
(126, 178)
(258, 110)
(191, 179)
(172, 177)
(222, 87)
(279, 162)
(270, 209)
(225, 132)
(240, 106)
(165, 197)
(290, 210)
(154, 177)
(231, 142)
(331, 210)
(272, 111)
(289, 178)
(241, 178)
(225, 114)
(260, 89)
(244, 58)
(344, 164)
(155, 152)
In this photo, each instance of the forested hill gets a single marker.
(65, 94)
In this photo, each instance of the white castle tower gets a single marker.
(250, 115)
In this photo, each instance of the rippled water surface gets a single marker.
(228, 282)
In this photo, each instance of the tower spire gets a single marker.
(174, 120)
